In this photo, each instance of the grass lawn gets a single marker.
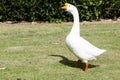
(38, 52)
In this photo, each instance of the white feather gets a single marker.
(80, 47)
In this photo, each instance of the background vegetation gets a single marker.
(50, 10)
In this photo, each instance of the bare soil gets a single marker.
(102, 21)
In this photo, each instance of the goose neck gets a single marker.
(76, 28)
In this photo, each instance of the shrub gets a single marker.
(50, 10)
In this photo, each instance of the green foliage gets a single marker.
(111, 9)
(50, 10)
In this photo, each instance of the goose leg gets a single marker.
(86, 67)
(78, 63)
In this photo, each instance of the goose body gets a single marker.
(80, 47)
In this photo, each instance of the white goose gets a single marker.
(81, 48)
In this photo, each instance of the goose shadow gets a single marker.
(70, 63)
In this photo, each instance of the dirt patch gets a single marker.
(102, 21)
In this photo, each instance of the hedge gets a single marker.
(50, 10)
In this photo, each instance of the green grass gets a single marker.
(38, 52)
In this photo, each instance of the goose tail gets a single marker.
(101, 51)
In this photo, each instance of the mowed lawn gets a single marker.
(38, 52)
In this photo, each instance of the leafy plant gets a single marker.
(50, 10)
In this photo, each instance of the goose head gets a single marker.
(69, 7)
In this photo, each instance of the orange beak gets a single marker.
(65, 6)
